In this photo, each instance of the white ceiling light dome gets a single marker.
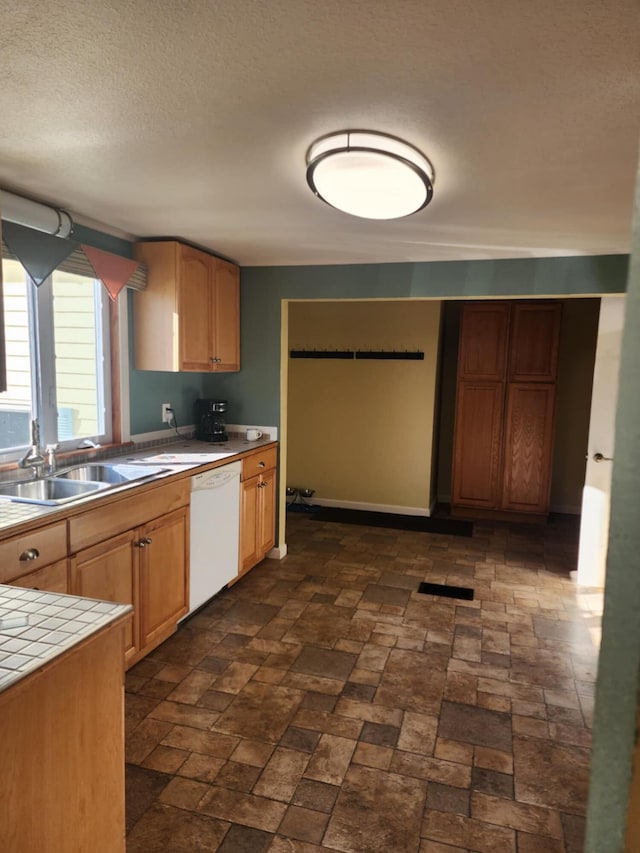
(371, 175)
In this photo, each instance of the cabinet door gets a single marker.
(478, 436)
(53, 578)
(225, 321)
(484, 330)
(257, 518)
(163, 574)
(194, 301)
(267, 512)
(528, 445)
(249, 547)
(535, 336)
(109, 571)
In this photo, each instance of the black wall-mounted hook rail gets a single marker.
(392, 355)
(363, 355)
(314, 353)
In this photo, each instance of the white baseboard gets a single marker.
(391, 508)
(278, 553)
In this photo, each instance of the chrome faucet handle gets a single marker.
(51, 457)
(86, 443)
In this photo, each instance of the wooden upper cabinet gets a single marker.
(188, 318)
(194, 309)
(484, 332)
(535, 337)
(226, 314)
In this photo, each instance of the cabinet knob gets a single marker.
(261, 464)
(142, 543)
(29, 554)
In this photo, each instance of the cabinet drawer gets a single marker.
(259, 462)
(128, 512)
(22, 554)
(52, 578)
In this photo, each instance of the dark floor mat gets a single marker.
(419, 523)
(446, 590)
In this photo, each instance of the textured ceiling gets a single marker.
(192, 119)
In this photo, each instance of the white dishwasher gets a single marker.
(215, 531)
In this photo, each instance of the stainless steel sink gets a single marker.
(109, 473)
(77, 482)
(50, 491)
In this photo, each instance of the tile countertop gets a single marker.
(36, 627)
(180, 456)
(191, 452)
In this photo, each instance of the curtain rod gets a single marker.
(33, 214)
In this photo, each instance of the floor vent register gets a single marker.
(446, 590)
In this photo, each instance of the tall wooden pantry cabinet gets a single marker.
(505, 408)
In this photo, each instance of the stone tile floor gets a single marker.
(322, 703)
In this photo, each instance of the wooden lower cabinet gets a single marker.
(109, 571)
(53, 578)
(477, 444)
(145, 567)
(528, 444)
(257, 518)
(62, 753)
(163, 576)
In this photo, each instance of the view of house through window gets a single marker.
(57, 346)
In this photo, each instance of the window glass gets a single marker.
(57, 341)
(16, 401)
(77, 365)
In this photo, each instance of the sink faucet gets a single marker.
(33, 458)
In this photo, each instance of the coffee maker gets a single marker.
(210, 424)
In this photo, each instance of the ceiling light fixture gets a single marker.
(369, 174)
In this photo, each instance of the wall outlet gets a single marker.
(167, 413)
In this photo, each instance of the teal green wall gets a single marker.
(254, 392)
(149, 389)
(617, 687)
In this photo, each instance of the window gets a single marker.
(58, 360)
